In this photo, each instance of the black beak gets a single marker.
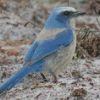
(78, 13)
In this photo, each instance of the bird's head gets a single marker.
(61, 17)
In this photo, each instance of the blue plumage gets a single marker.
(52, 22)
(35, 52)
(50, 46)
(43, 48)
(64, 38)
(31, 51)
(18, 76)
(57, 19)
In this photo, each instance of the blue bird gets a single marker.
(53, 49)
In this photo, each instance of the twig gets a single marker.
(14, 24)
(38, 95)
(81, 29)
(83, 50)
(94, 7)
(4, 8)
(43, 85)
(96, 18)
(27, 21)
(24, 19)
(97, 22)
(78, 29)
(68, 3)
(4, 18)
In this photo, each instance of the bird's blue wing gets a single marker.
(30, 51)
(47, 47)
(64, 38)
(35, 52)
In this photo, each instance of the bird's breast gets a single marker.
(59, 60)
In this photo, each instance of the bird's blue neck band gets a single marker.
(57, 22)
(67, 26)
(70, 28)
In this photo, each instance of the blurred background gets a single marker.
(22, 20)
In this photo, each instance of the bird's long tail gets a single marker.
(19, 75)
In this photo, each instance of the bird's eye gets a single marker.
(67, 13)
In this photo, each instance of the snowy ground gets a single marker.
(80, 81)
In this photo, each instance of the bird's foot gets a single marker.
(44, 78)
(54, 79)
(33, 79)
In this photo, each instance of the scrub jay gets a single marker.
(53, 49)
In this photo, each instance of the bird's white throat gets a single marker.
(72, 23)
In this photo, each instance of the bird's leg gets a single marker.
(54, 76)
(43, 85)
(47, 85)
(44, 78)
(34, 80)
